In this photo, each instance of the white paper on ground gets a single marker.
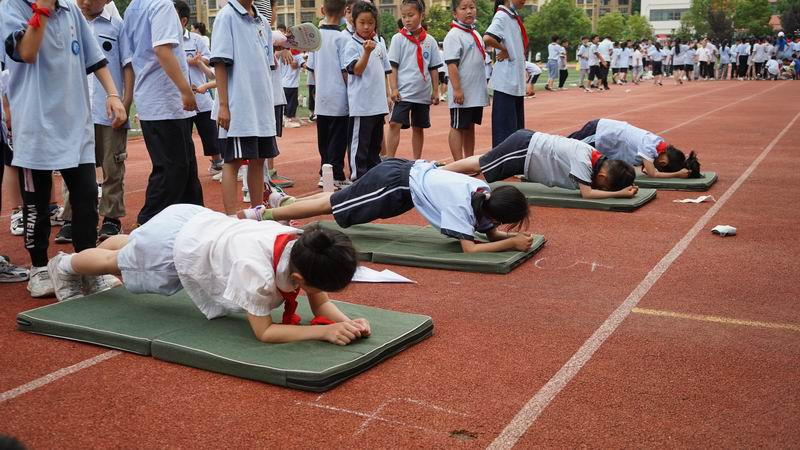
(700, 199)
(724, 230)
(366, 275)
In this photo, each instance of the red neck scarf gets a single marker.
(290, 298)
(521, 26)
(418, 42)
(661, 147)
(475, 37)
(595, 158)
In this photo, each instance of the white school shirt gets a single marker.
(615, 55)
(193, 44)
(290, 78)
(583, 57)
(637, 58)
(553, 50)
(532, 69)
(759, 53)
(562, 58)
(460, 48)
(772, 66)
(326, 65)
(655, 54)
(678, 58)
(278, 94)
(51, 119)
(147, 25)
(624, 58)
(620, 140)
(558, 161)
(107, 29)
(412, 85)
(508, 76)
(605, 47)
(244, 44)
(444, 199)
(725, 55)
(702, 54)
(3, 86)
(366, 94)
(226, 264)
(689, 58)
(743, 49)
(593, 59)
(712, 51)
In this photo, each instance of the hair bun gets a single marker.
(693, 165)
(317, 240)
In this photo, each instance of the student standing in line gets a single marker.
(241, 53)
(605, 47)
(657, 59)
(679, 51)
(507, 35)
(724, 61)
(743, 54)
(367, 65)
(563, 72)
(47, 80)
(553, 56)
(331, 108)
(596, 63)
(414, 81)
(165, 104)
(467, 92)
(583, 62)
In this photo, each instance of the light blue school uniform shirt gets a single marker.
(147, 25)
(615, 57)
(366, 94)
(583, 57)
(444, 199)
(290, 78)
(414, 85)
(278, 95)
(193, 45)
(462, 49)
(593, 59)
(625, 58)
(655, 54)
(508, 76)
(725, 55)
(107, 28)
(244, 44)
(52, 119)
(558, 161)
(688, 59)
(326, 65)
(3, 86)
(620, 140)
(553, 50)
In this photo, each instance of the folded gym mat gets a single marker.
(172, 329)
(538, 194)
(410, 245)
(677, 184)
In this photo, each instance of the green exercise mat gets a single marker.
(410, 245)
(539, 194)
(172, 329)
(677, 184)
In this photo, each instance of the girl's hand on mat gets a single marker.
(224, 116)
(364, 324)
(683, 173)
(522, 241)
(458, 97)
(342, 333)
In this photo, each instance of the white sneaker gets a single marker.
(320, 184)
(217, 176)
(94, 284)
(67, 286)
(16, 224)
(341, 184)
(55, 216)
(10, 273)
(292, 124)
(40, 284)
(276, 198)
(99, 191)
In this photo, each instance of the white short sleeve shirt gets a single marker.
(366, 94)
(620, 140)
(462, 49)
(413, 84)
(558, 161)
(508, 76)
(193, 45)
(326, 64)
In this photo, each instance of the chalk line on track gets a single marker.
(531, 411)
(716, 319)
(57, 375)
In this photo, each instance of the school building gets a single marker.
(664, 15)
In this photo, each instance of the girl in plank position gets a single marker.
(455, 204)
(553, 161)
(225, 265)
(621, 140)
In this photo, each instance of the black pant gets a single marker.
(365, 135)
(332, 143)
(703, 69)
(35, 186)
(291, 102)
(174, 175)
(562, 77)
(604, 75)
(759, 69)
(312, 97)
(207, 129)
(742, 65)
(508, 116)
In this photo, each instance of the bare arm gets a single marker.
(435, 91)
(169, 63)
(361, 64)
(392, 87)
(114, 107)
(589, 193)
(520, 242)
(466, 166)
(650, 170)
(224, 114)
(28, 46)
(490, 41)
(455, 80)
(127, 87)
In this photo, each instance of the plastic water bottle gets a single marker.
(327, 178)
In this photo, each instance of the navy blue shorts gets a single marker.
(586, 134)
(507, 159)
(381, 193)
(420, 115)
(464, 118)
(240, 148)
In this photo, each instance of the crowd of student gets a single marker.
(54, 120)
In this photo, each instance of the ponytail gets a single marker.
(505, 204)
(693, 165)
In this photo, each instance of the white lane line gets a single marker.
(58, 374)
(534, 407)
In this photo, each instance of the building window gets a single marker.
(308, 17)
(657, 15)
(579, 2)
(388, 10)
(290, 3)
(623, 2)
(588, 12)
(290, 20)
(604, 11)
(623, 10)
(307, 3)
(212, 4)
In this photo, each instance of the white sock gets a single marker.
(65, 265)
